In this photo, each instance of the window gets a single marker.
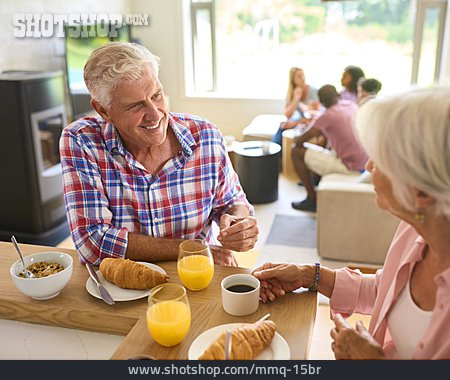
(428, 40)
(203, 45)
(247, 46)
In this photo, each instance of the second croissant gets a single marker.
(247, 342)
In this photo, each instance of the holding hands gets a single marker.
(279, 279)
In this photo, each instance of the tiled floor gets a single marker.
(288, 191)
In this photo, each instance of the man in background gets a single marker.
(346, 155)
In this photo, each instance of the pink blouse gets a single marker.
(376, 293)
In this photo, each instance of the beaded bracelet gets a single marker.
(314, 286)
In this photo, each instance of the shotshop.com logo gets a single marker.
(78, 25)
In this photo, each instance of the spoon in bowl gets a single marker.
(27, 273)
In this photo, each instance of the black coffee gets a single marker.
(241, 288)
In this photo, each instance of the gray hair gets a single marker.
(408, 137)
(109, 64)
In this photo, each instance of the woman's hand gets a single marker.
(298, 92)
(278, 279)
(350, 343)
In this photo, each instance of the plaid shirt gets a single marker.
(107, 193)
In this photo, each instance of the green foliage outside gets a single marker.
(313, 23)
(378, 11)
(288, 33)
(246, 18)
(309, 17)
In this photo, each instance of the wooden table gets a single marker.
(294, 314)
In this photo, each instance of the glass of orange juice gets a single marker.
(195, 264)
(168, 314)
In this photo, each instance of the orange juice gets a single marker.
(196, 271)
(168, 322)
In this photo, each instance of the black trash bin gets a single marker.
(258, 164)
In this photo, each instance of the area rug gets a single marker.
(293, 231)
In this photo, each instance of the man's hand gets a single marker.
(238, 233)
(279, 279)
(355, 344)
(223, 256)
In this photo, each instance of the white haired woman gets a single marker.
(408, 139)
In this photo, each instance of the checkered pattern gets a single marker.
(107, 193)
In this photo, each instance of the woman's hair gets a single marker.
(408, 138)
(356, 73)
(111, 63)
(291, 84)
(372, 86)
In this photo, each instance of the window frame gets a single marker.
(419, 25)
(195, 7)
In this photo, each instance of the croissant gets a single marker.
(131, 275)
(247, 342)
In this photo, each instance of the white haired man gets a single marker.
(138, 180)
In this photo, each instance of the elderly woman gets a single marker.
(408, 139)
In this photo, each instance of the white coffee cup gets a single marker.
(240, 303)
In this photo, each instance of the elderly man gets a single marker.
(346, 154)
(139, 179)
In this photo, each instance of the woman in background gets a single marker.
(349, 81)
(301, 99)
(300, 95)
(408, 138)
(367, 89)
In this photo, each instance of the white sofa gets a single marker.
(350, 226)
(263, 127)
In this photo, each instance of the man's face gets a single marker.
(139, 112)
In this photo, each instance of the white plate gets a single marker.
(117, 293)
(278, 349)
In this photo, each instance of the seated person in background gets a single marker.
(349, 81)
(140, 179)
(407, 137)
(346, 154)
(300, 95)
(300, 100)
(367, 89)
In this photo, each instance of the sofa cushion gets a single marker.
(263, 127)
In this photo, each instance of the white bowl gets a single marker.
(43, 288)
